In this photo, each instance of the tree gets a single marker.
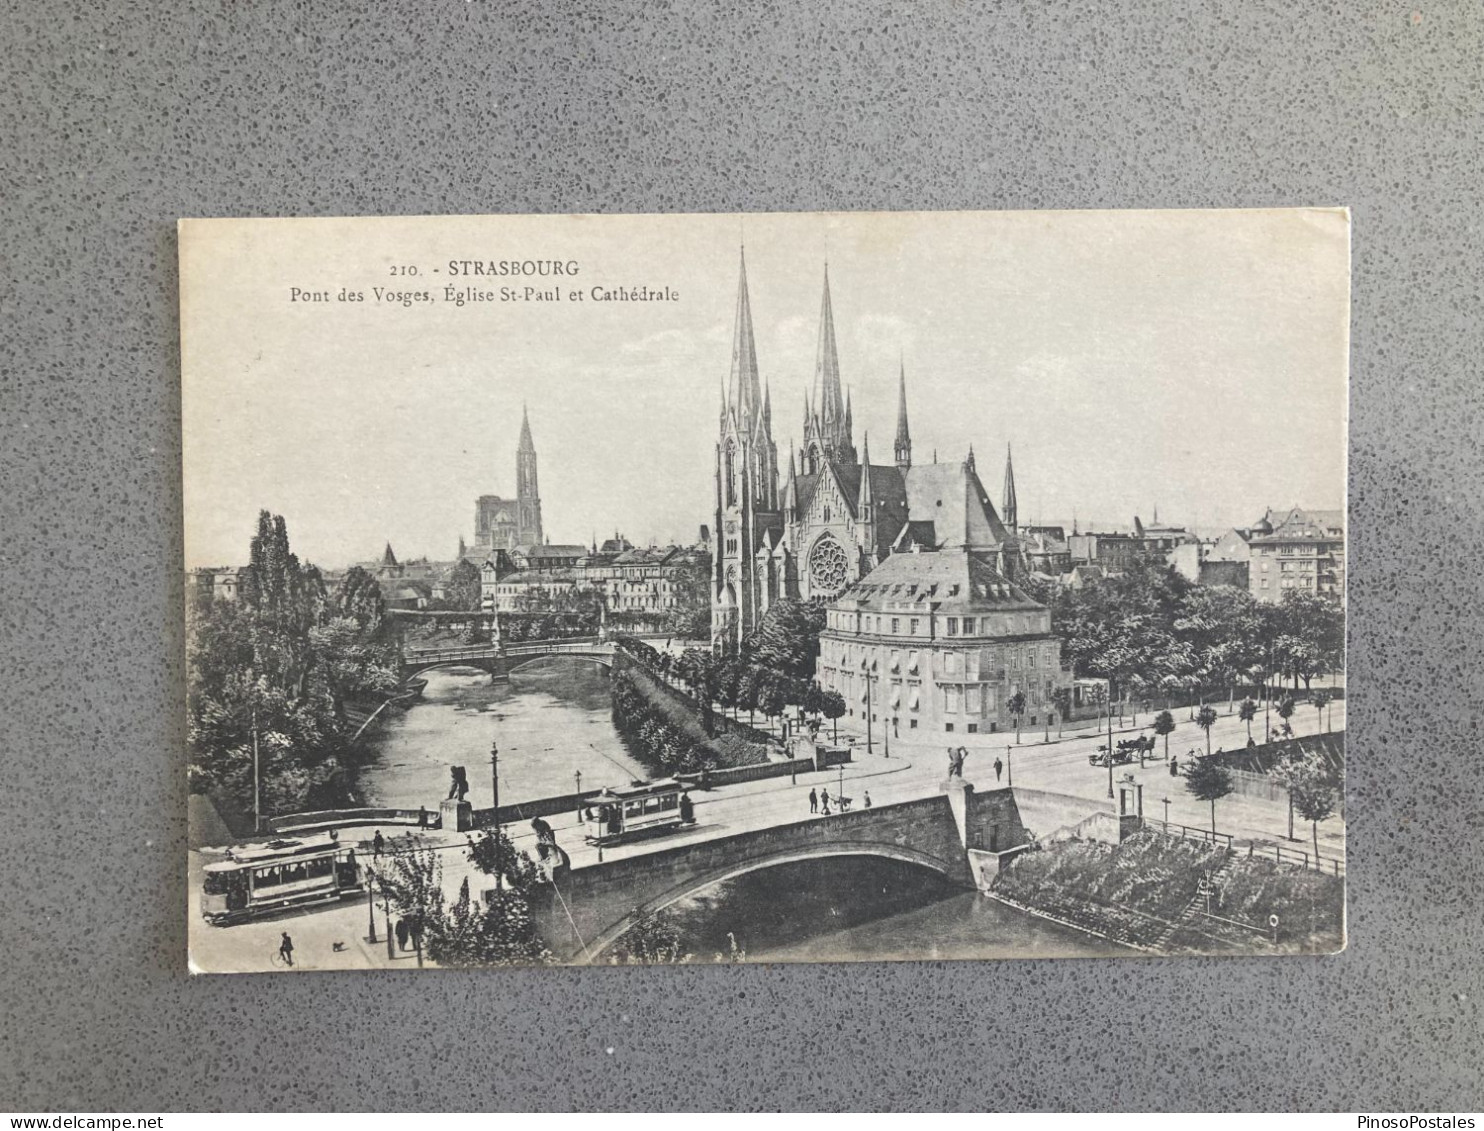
(1320, 699)
(1016, 706)
(411, 876)
(787, 640)
(1313, 795)
(1285, 709)
(832, 706)
(1247, 712)
(1210, 781)
(463, 586)
(654, 941)
(1164, 723)
(1206, 719)
(359, 596)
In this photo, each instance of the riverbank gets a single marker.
(1151, 893)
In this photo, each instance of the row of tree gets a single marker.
(271, 674)
(1150, 632)
(1313, 785)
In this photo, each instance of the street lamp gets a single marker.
(577, 774)
(1166, 801)
(499, 848)
(1110, 749)
(371, 907)
(1009, 765)
(866, 675)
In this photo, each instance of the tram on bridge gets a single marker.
(260, 879)
(617, 814)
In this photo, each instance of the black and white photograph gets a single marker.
(814, 587)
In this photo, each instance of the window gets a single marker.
(968, 625)
(948, 727)
(914, 626)
(993, 727)
(896, 626)
(911, 724)
(1033, 720)
(950, 662)
(973, 728)
(951, 697)
(973, 699)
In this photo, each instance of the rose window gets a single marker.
(827, 566)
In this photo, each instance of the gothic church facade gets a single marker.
(837, 515)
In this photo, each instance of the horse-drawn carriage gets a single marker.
(1125, 750)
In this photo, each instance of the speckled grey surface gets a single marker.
(115, 118)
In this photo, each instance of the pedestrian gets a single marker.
(286, 949)
(378, 844)
(868, 799)
(402, 934)
(825, 803)
(687, 809)
(999, 768)
(422, 816)
(543, 831)
(813, 802)
(824, 799)
(1174, 766)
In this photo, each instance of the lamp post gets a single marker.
(499, 846)
(1009, 765)
(386, 905)
(257, 809)
(1110, 749)
(1166, 801)
(866, 675)
(370, 908)
(577, 775)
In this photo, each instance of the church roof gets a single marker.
(950, 496)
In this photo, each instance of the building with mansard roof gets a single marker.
(837, 516)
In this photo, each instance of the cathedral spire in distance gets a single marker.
(1009, 509)
(526, 445)
(902, 449)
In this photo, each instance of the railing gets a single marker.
(1335, 866)
(481, 653)
(336, 818)
(1189, 832)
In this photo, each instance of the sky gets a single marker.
(1193, 361)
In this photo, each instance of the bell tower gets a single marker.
(527, 493)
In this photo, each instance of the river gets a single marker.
(554, 718)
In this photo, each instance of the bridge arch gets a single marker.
(953, 871)
(601, 659)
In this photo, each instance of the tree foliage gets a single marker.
(282, 661)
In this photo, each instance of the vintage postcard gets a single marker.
(766, 588)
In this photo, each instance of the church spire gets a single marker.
(1008, 508)
(828, 401)
(526, 444)
(902, 449)
(743, 392)
(866, 501)
(969, 463)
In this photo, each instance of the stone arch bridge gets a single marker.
(958, 834)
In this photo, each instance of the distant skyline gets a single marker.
(1189, 360)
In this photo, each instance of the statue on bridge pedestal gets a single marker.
(459, 784)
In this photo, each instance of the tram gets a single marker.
(627, 811)
(259, 879)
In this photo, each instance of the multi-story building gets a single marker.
(938, 641)
(1298, 550)
(644, 582)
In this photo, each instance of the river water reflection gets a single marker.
(865, 909)
(550, 720)
(554, 718)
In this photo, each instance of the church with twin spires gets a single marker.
(835, 516)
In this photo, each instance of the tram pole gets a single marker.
(257, 808)
(499, 839)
